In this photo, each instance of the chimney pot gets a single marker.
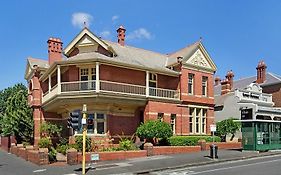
(261, 72)
(121, 35)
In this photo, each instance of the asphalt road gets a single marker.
(256, 166)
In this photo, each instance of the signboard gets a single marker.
(247, 114)
(213, 128)
(84, 121)
(95, 157)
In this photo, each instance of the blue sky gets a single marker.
(237, 34)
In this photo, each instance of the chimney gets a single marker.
(54, 50)
(261, 72)
(229, 76)
(225, 86)
(121, 35)
(217, 81)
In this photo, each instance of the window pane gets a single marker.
(190, 128)
(100, 116)
(100, 127)
(191, 110)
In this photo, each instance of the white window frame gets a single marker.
(204, 86)
(173, 123)
(152, 79)
(199, 120)
(190, 81)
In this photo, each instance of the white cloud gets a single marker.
(140, 33)
(105, 34)
(78, 19)
(114, 18)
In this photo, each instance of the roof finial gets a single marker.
(201, 38)
(85, 24)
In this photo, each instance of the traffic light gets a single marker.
(75, 118)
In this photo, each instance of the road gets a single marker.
(256, 166)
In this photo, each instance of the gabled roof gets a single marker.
(128, 55)
(243, 83)
(32, 62)
(190, 58)
(69, 48)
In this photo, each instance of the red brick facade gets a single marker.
(136, 109)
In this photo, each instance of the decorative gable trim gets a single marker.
(86, 38)
(200, 60)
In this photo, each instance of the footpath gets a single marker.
(165, 162)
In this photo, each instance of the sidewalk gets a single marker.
(164, 162)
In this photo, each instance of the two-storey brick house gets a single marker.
(122, 85)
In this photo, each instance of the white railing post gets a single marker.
(50, 83)
(59, 79)
(97, 77)
(147, 84)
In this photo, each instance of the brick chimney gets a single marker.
(261, 72)
(229, 76)
(217, 81)
(225, 86)
(121, 35)
(54, 50)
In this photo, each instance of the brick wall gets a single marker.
(109, 73)
(197, 96)
(162, 150)
(226, 145)
(275, 90)
(122, 124)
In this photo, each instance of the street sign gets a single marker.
(95, 157)
(213, 128)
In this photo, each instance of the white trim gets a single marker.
(147, 84)
(50, 83)
(59, 79)
(97, 77)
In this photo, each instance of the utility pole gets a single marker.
(84, 123)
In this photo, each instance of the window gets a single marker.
(197, 120)
(152, 84)
(160, 117)
(152, 80)
(173, 123)
(87, 77)
(204, 86)
(96, 123)
(190, 83)
(191, 111)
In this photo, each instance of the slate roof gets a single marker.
(130, 55)
(39, 62)
(243, 83)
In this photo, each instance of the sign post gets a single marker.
(84, 123)
(213, 130)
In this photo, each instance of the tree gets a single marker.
(228, 126)
(17, 119)
(154, 129)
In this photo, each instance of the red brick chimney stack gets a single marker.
(121, 35)
(261, 72)
(217, 81)
(225, 86)
(54, 50)
(229, 76)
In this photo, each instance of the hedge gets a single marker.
(190, 140)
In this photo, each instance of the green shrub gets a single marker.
(48, 129)
(62, 149)
(190, 140)
(63, 146)
(79, 143)
(45, 142)
(154, 129)
(52, 154)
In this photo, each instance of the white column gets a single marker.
(97, 77)
(147, 84)
(50, 83)
(59, 80)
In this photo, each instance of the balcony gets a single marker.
(114, 88)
